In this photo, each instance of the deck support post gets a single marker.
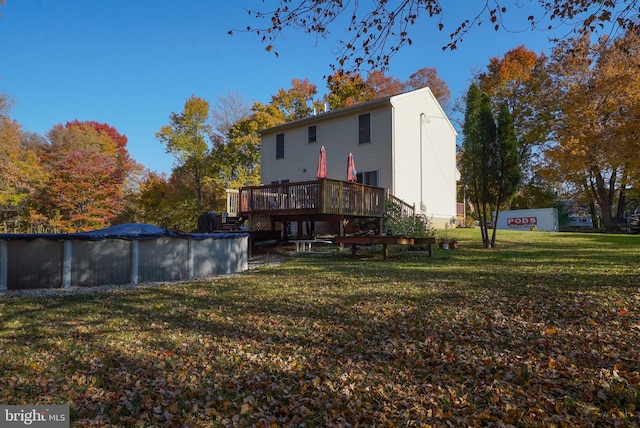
(3, 266)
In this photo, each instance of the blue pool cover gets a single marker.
(130, 231)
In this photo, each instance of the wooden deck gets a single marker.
(313, 198)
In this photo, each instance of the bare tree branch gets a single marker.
(379, 28)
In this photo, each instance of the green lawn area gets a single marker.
(543, 330)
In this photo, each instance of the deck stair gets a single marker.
(396, 209)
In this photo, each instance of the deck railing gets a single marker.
(233, 202)
(312, 198)
(401, 208)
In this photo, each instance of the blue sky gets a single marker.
(131, 63)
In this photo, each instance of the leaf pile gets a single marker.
(524, 335)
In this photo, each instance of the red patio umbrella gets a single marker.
(322, 164)
(351, 169)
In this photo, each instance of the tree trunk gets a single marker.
(622, 199)
(493, 235)
(198, 184)
(484, 228)
(603, 196)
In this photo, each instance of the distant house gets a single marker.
(404, 143)
(579, 222)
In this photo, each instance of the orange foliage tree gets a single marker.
(428, 77)
(296, 102)
(516, 80)
(88, 165)
(350, 88)
(380, 85)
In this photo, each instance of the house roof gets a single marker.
(379, 102)
(328, 115)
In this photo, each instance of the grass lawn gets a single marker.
(543, 330)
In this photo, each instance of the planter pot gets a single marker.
(444, 245)
(453, 245)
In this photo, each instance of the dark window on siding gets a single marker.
(364, 128)
(370, 178)
(312, 134)
(279, 146)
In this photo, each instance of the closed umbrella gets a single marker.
(351, 169)
(322, 164)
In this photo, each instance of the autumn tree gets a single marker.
(87, 165)
(21, 173)
(380, 85)
(151, 202)
(377, 30)
(187, 138)
(350, 88)
(237, 161)
(489, 159)
(517, 80)
(235, 158)
(201, 174)
(428, 77)
(345, 90)
(595, 95)
(124, 164)
(296, 102)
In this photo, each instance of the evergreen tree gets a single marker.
(489, 159)
(508, 173)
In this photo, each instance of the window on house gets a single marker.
(364, 128)
(370, 178)
(279, 146)
(312, 134)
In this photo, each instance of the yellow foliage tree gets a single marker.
(21, 173)
(596, 94)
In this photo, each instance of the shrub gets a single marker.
(418, 226)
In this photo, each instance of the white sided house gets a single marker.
(404, 143)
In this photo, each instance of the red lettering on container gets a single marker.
(522, 221)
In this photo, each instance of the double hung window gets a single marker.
(364, 128)
(279, 146)
(312, 134)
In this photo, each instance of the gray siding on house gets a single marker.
(339, 135)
